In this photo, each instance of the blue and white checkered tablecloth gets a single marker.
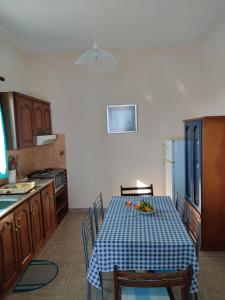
(133, 241)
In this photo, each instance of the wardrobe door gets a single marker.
(188, 161)
(197, 163)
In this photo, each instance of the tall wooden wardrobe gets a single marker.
(205, 177)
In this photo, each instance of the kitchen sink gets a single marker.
(6, 203)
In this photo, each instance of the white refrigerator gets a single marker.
(174, 168)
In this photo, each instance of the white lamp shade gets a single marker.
(97, 60)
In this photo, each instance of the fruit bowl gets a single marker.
(144, 207)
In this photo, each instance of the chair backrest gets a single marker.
(181, 207)
(98, 211)
(87, 235)
(136, 191)
(194, 228)
(152, 280)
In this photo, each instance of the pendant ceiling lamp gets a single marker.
(96, 59)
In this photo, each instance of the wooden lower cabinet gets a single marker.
(36, 222)
(23, 234)
(8, 253)
(48, 210)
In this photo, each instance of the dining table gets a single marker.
(137, 241)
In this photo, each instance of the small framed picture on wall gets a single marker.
(122, 118)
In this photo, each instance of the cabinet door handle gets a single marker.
(32, 212)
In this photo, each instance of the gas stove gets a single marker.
(45, 173)
(59, 176)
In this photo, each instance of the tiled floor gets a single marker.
(66, 249)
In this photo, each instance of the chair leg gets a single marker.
(99, 295)
(88, 291)
(191, 296)
(171, 294)
(101, 280)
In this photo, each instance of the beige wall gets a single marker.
(168, 85)
(163, 83)
(12, 67)
(39, 158)
(42, 157)
(212, 100)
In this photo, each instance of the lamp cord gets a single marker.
(95, 19)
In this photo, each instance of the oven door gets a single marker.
(59, 181)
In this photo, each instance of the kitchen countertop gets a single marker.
(19, 199)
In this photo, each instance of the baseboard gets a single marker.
(78, 210)
(82, 210)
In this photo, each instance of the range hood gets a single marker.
(45, 139)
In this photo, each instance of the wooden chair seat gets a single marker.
(129, 293)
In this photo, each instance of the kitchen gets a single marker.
(33, 204)
(169, 84)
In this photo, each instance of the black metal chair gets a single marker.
(88, 243)
(181, 208)
(98, 212)
(136, 191)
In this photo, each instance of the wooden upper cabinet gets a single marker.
(47, 123)
(48, 210)
(38, 117)
(8, 252)
(24, 118)
(23, 233)
(36, 221)
(42, 118)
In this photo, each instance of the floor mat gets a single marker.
(38, 274)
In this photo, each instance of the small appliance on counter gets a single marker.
(59, 176)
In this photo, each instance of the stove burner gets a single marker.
(45, 171)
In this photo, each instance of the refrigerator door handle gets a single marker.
(170, 161)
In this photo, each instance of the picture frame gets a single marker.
(122, 118)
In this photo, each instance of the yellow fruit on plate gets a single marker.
(148, 209)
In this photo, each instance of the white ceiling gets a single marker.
(66, 25)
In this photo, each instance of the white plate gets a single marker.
(144, 212)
